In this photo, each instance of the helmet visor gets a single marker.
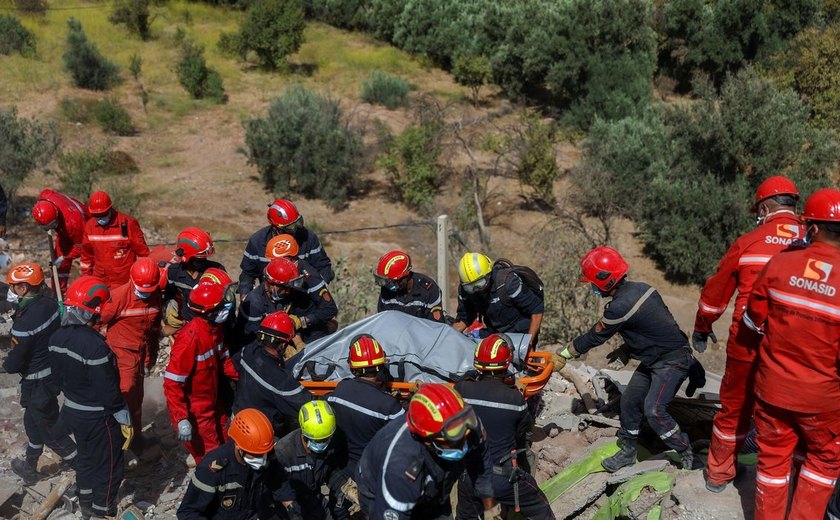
(476, 286)
(456, 427)
(381, 281)
(295, 283)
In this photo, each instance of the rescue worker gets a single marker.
(501, 408)
(309, 458)
(112, 241)
(66, 216)
(194, 247)
(34, 321)
(796, 305)
(283, 218)
(407, 471)
(236, 480)
(362, 405)
(264, 382)
(198, 360)
(132, 321)
(638, 314)
(498, 297)
(778, 226)
(312, 313)
(284, 246)
(94, 409)
(402, 289)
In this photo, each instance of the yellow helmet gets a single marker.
(474, 266)
(317, 420)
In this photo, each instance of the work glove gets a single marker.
(494, 513)
(699, 339)
(569, 352)
(299, 321)
(184, 430)
(124, 418)
(559, 362)
(58, 261)
(619, 356)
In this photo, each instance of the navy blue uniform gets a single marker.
(266, 385)
(179, 284)
(421, 299)
(86, 371)
(508, 312)
(507, 421)
(362, 408)
(652, 336)
(35, 321)
(222, 488)
(254, 260)
(317, 308)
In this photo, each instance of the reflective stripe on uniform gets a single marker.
(771, 481)
(36, 330)
(816, 477)
(139, 312)
(389, 498)
(754, 260)
(105, 238)
(265, 384)
(41, 374)
(720, 435)
(311, 252)
(175, 377)
(83, 407)
(411, 304)
(212, 489)
(668, 434)
(35, 446)
(207, 355)
(632, 310)
(705, 307)
(77, 357)
(807, 303)
(255, 257)
(492, 404)
(363, 410)
(750, 323)
(316, 288)
(297, 467)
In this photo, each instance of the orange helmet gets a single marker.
(438, 411)
(494, 353)
(145, 275)
(206, 296)
(281, 271)
(823, 205)
(280, 246)
(365, 352)
(194, 242)
(99, 203)
(277, 326)
(772, 186)
(282, 213)
(44, 212)
(252, 432)
(87, 292)
(393, 265)
(28, 272)
(603, 267)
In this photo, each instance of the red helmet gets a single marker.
(44, 212)
(145, 275)
(772, 186)
(27, 272)
(494, 353)
(603, 267)
(277, 325)
(205, 297)
(281, 245)
(215, 275)
(282, 213)
(823, 205)
(393, 265)
(365, 352)
(282, 271)
(194, 242)
(87, 292)
(99, 203)
(438, 411)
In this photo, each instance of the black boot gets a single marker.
(625, 457)
(26, 470)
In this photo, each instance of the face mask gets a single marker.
(142, 295)
(222, 315)
(12, 296)
(256, 463)
(318, 447)
(103, 221)
(452, 454)
(598, 292)
(392, 286)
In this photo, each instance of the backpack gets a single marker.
(528, 276)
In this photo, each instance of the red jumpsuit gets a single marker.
(191, 384)
(797, 301)
(133, 329)
(68, 235)
(109, 251)
(738, 269)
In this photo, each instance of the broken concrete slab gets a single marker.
(583, 494)
(736, 502)
(628, 472)
(8, 489)
(565, 421)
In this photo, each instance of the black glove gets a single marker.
(696, 377)
(620, 355)
(699, 339)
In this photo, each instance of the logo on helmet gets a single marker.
(280, 211)
(281, 247)
(21, 273)
(392, 261)
(429, 406)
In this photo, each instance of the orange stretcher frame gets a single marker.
(538, 366)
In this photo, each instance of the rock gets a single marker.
(560, 404)
(736, 502)
(593, 434)
(565, 421)
(551, 431)
(580, 496)
(552, 458)
(170, 497)
(647, 499)
(628, 472)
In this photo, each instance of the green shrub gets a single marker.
(348, 14)
(199, 80)
(32, 6)
(135, 15)
(303, 145)
(536, 163)
(381, 89)
(14, 37)
(411, 165)
(112, 117)
(77, 110)
(230, 44)
(381, 17)
(473, 72)
(273, 29)
(25, 144)
(686, 174)
(135, 66)
(85, 63)
(84, 170)
(353, 290)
